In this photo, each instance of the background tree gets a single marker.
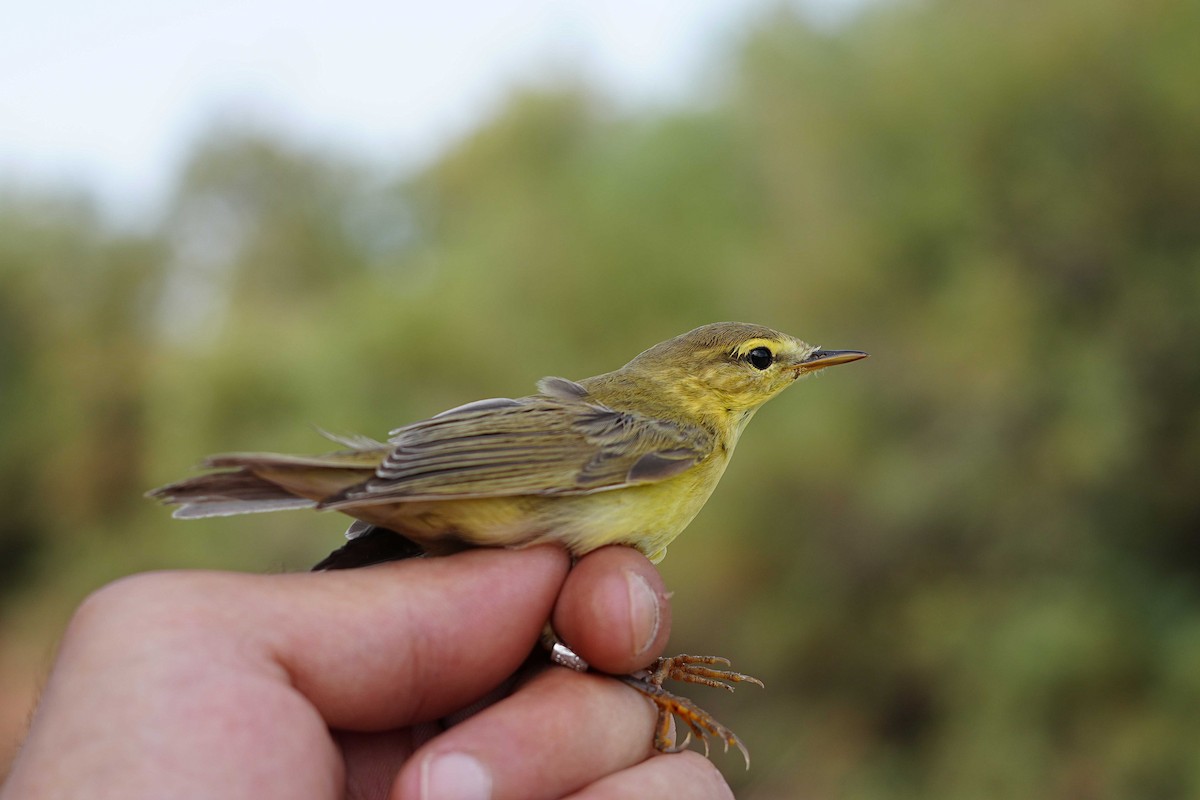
(969, 568)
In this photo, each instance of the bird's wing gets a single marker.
(556, 442)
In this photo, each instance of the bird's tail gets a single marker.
(246, 483)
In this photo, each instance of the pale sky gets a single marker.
(109, 95)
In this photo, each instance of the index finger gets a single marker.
(407, 641)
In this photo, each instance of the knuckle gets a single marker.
(121, 599)
(140, 604)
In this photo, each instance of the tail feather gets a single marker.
(199, 509)
(258, 482)
(221, 494)
(345, 459)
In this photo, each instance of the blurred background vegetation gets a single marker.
(967, 568)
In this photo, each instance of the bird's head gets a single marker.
(731, 368)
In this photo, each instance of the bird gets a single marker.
(628, 457)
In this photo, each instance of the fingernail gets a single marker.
(644, 613)
(455, 776)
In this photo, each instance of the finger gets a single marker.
(410, 641)
(686, 774)
(559, 732)
(373, 760)
(613, 610)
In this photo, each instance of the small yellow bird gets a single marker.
(628, 457)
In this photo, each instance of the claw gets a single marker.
(678, 747)
(689, 669)
(684, 668)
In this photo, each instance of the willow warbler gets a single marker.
(628, 457)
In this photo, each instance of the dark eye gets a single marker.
(760, 357)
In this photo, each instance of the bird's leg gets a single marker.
(704, 670)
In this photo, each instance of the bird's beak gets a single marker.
(820, 359)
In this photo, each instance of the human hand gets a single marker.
(205, 684)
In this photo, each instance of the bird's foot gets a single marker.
(704, 670)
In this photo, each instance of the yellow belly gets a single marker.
(647, 517)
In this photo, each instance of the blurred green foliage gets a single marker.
(968, 568)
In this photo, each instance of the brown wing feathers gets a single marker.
(552, 443)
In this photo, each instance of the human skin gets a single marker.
(337, 684)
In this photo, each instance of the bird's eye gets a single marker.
(760, 357)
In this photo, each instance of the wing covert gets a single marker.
(545, 444)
